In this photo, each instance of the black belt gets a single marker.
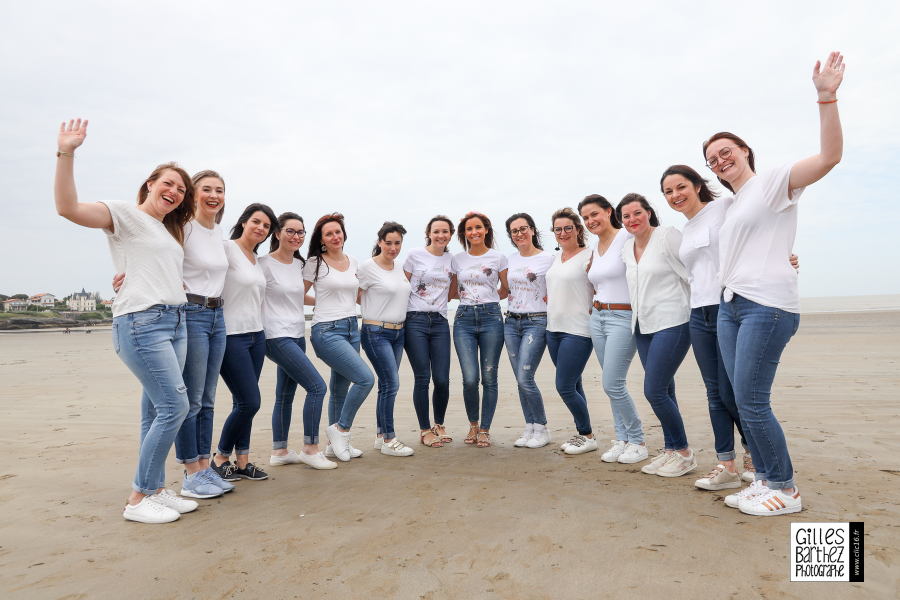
(513, 315)
(204, 301)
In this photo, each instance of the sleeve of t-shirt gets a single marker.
(454, 265)
(309, 269)
(409, 265)
(121, 219)
(365, 275)
(777, 194)
(502, 262)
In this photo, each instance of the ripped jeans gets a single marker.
(526, 339)
(478, 338)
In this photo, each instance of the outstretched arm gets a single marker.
(86, 214)
(827, 80)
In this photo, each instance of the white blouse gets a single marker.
(658, 285)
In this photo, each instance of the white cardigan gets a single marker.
(658, 285)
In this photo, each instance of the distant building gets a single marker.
(44, 299)
(15, 305)
(82, 301)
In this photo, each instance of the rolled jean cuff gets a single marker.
(311, 440)
(143, 491)
(243, 452)
(278, 445)
(204, 456)
(757, 476)
(781, 485)
(726, 455)
(188, 461)
(221, 452)
(343, 426)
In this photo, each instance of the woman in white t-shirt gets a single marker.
(759, 312)
(525, 329)
(383, 296)
(149, 332)
(569, 295)
(285, 325)
(610, 325)
(245, 342)
(478, 324)
(427, 337)
(660, 303)
(335, 330)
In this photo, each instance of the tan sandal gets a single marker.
(436, 439)
(483, 439)
(472, 435)
(439, 431)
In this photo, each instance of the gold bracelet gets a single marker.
(61, 153)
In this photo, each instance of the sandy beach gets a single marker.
(453, 522)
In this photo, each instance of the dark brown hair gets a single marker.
(535, 234)
(629, 198)
(175, 221)
(386, 228)
(461, 231)
(315, 240)
(238, 229)
(725, 135)
(437, 219)
(706, 194)
(283, 218)
(604, 204)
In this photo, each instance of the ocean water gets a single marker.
(834, 304)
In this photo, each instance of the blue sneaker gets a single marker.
(213, 477)
(197, 486)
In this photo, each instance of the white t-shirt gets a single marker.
(430, 280)
(527, 282)
(205, 263)
(283, 306)
(385, 293)
(143, 249)
(244, 292)
(658, 285)
(569, 294)
(335, 290)
(756, 240)
(607, 273)
(699, 251)
(478, 276)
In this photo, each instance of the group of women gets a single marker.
(191, 307)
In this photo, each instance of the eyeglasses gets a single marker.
(567, 229)
(292, 232)
(520, 230)
(724, 153)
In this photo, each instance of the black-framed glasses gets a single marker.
(292, 232)
(724, 153)
(566, 228)
(520, 230)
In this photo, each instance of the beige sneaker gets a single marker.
(677, 465)
(719, 479)
(659, 460)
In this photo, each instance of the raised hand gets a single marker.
(71, 134)
(827, 78)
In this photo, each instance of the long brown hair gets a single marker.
(461, 231)
(175, 221)
(316, 249)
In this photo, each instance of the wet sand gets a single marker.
(452, 522)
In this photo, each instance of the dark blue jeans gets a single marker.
(526, 338)
(662, 352)
(384, 348)
(243, 362)
(294, 367)
(723, 412)
(752, 338)
(570, 354)
(205, 349)
(478, 337)
(428, 349)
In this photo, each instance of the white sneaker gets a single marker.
(772, 503)
(755, 489)
(379, 442)
(677, 465)
(581, 444)
(659, 460)
(540, 436)
(170, 500)
(291, 458)
(614, 452)
(316, 461)
(148, 511)
(354, 452)
(397, 448)
(566, 443)
(633, 453)
(719, 478)
(340, 442)
(522, 441)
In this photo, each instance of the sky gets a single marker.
(403, 110)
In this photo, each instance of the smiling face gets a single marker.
(440, 234)
(733, 165)
(521, 233)
(635, 218)
(682, 195)
(166, 193)
(596, 218)
(566, 233)
(390, 245)
(291, 235)
(475, 231)
(333, 236)
(210, 196)
(256, 229)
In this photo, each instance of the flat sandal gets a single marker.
(441, 432)
(472, 435)
(483, 439)
(436, 443)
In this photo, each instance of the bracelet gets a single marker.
(61, 153)
(826, 101)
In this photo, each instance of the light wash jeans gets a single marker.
(152, 343)
(526, 339)
(752, 338)
(294, 367)
(337, 344)
(384, 347)
(478, 338)
(205, 349)
(614, 346)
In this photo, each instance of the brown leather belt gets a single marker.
(205, 301)
(602, 306)
(383, 324)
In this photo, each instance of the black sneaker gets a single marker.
(251, 472)
(226, 471)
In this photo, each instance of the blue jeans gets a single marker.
(337, 344)
(243, 362)
(752, 338)
(526, 338)
(723, 412)
(570, 354)
(428, 349)
(205, 349)
(384, 347)
(478, 337)
(152, 343)
(662, 352)
(294, 367)
(614, 347)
